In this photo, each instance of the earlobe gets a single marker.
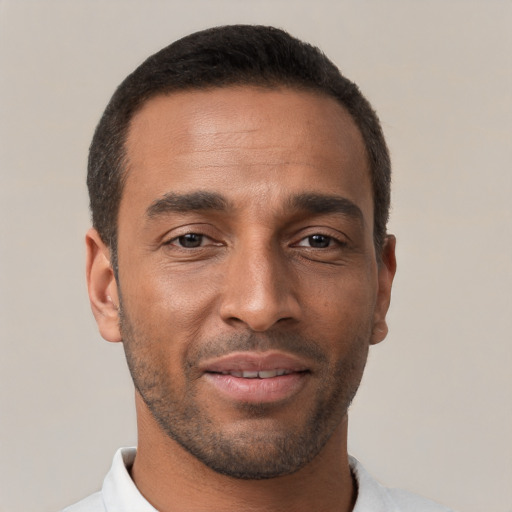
(102, 287)
(386, 273)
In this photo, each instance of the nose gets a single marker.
(259, 289)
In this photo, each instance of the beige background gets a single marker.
(434, 413)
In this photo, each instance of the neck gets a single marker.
(171, 479)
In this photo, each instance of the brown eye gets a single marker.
(319, 241)
(189, 241)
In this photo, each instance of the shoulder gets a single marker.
(374, 497)
(93, 503)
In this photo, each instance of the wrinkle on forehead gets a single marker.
(207, 121)
(250, 142)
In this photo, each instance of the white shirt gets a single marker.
(119, 493)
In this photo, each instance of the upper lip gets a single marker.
(254, 361)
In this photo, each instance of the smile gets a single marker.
(253, 377)
(261, 374)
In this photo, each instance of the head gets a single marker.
(249, 185)
(220, 57)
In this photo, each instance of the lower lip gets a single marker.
(258, 390)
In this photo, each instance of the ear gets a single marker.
(102, 287)
(386, 273)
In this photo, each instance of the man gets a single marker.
(239, 191)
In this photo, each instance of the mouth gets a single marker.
(256, 374)
(256, 378)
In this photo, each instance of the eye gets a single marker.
(317, 241)
(189, 240)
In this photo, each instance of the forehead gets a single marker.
(247, 143)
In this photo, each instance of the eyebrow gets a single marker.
(182, 203)
(316, 204)
(323, 203)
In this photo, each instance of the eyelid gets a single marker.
(200, 229)
(338, 237)
(333, 241)
(206, 240)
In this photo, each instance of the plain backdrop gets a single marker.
(434, 412)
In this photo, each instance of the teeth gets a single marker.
(262, 374)
(250, 375)
(266, 374)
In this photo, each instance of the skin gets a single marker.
(268, 273)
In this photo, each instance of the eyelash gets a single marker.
(332, 241)
(200, 235)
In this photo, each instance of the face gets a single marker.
(249, 286)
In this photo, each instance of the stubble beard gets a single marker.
(245, 453)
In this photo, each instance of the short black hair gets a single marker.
(219, 57)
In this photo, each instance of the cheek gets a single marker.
(342, 300)
(170, 302)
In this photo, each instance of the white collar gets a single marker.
(119, 492)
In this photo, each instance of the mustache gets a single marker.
(292, 343)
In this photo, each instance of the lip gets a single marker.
(254, 361)
(256, 390)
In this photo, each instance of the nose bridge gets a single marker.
(256, 290)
